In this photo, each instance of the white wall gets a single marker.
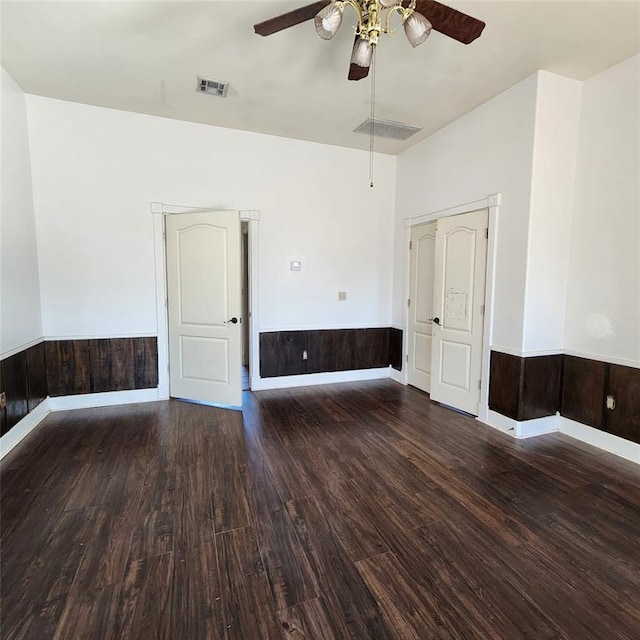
(20, 318)
(96, 170)
(565, 156)
(550, 215)
(489, 150)
(603, 302)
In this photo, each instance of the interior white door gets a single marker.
(204, 299)
(458, 305)
(422, 252)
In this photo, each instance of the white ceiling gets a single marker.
(145, 56)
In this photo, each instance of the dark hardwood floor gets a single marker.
(353, 511)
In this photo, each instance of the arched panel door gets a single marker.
(422, 250)
(204, 300)
(458, 307)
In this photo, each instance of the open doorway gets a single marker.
(248, 237)
(244, 254)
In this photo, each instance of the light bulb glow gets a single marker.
(328, 21)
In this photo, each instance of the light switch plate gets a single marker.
(295, 265)
(342, 295)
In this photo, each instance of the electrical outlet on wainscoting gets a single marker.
(3, 400)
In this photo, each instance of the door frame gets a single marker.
(158, 212)
(492, 204)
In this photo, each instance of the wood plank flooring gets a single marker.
(347, 511)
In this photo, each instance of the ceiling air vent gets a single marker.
(213, 87)
(387, 129)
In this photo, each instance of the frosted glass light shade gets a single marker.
(389, 3)
(328, 21)
(362, 53)
(417, 28)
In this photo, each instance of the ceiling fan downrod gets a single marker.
(373, 118)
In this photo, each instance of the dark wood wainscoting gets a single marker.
(94, 366)
(587, 383)
(69, 367)
(395, 348)
(526, 388)
(24, 381)
(583, 391)
(282, 352)
(624, 419)
(505, 375)
(541, 387)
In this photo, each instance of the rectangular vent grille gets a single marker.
(387, 129)
(213, 87)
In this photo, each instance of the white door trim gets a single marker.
(159, 210)
(492, 204)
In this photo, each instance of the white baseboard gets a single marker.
(398, 376)
(10, 439)
(499, 422)
(519, 429)
(530, 428)
(331, 377)
(537, 427)
(607, 441)
(107, 399)
(483, 413)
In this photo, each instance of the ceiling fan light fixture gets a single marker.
(328, 21)
(362, 53)
(417, 28)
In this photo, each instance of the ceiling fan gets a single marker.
(419, 17)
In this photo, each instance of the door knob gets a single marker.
(233, 320)
(434, 320)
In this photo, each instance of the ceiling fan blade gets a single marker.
(450, 22)
(290, 19)
(356, 72)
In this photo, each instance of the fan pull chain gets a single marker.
(373, 115)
